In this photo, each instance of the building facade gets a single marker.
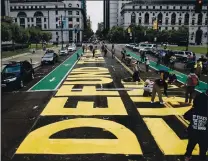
(100, 26)
(170, 15)
(47, 16)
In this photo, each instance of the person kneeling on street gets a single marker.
(148, 86)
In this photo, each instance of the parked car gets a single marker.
(15, 74)
(181, 55)
(132, 45)
(140, 46)
(63, 52)
(49, 57)
(72, 47)
(79, 44)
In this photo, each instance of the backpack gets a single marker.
(194, 80)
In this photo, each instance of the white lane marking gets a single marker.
(67, 65)
(66, 74)
(53, 79)
(52, 71)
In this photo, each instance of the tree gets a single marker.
(24, 36)
(6, 34)
(16, 34)
(116, 34)
(88, 32)
(46, 36)
(35, 35)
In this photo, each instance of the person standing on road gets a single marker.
(198, 127)
(191, 82)
(142, 56)
(172, 62)
(93, 52)
(198, 68)
(112, 46)
(194, 57)
(113, 53)
(147, 63)
(158, 84)
(105, 51)
(83, 48)
(123, 52)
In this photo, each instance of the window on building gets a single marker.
(173, 28)
(28, 25)
(146, 18)
(160, 18)
(78, 5)
(69, 5)
(166, 21)
(146, 7)
(153, 14)
(70, 26)
(69, 12)
(200, 16)
(133, 18)
(206, 23)
(181, 7)
(173, 19)
(179, 22)
(45, 26)
(187, 8)
(166, 14)
(70, 19)
(193, 22)
(32, 19)
(167, 7)
(15, 20)
(153, 7)
(32, 25)
(174, 7)
(57, 19)
(133, 7)
(166, 28)
(57, 26)
(56, 12)
(160, 7)
(140, 21)
(193, 14)
(28, 19)
(186, 19)
(140, 14)
(77, 19)
(180, 14)
(44, 19)
(56, 33)
(77, 12)
(140, 7)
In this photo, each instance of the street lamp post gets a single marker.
(62, 33)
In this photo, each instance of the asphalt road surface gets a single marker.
(96, 114)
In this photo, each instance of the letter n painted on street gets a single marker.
(39, 141)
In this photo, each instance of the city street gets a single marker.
(90, 110)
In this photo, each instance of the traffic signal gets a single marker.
(198, 6)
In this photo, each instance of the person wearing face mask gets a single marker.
(198, 127)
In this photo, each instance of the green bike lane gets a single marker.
(180, 76)
(55, 77)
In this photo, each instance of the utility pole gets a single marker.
(62, 33)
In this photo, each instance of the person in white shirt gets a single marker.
(147, 63)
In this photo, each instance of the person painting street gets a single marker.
(147, 63)
(191, 82)
(159, 83)
(198, 127)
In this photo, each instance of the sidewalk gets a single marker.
(36, 58)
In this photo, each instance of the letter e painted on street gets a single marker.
(39, 141)
(85, 108)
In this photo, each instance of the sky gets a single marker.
(95, 11)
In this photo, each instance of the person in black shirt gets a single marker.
(198, 127)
